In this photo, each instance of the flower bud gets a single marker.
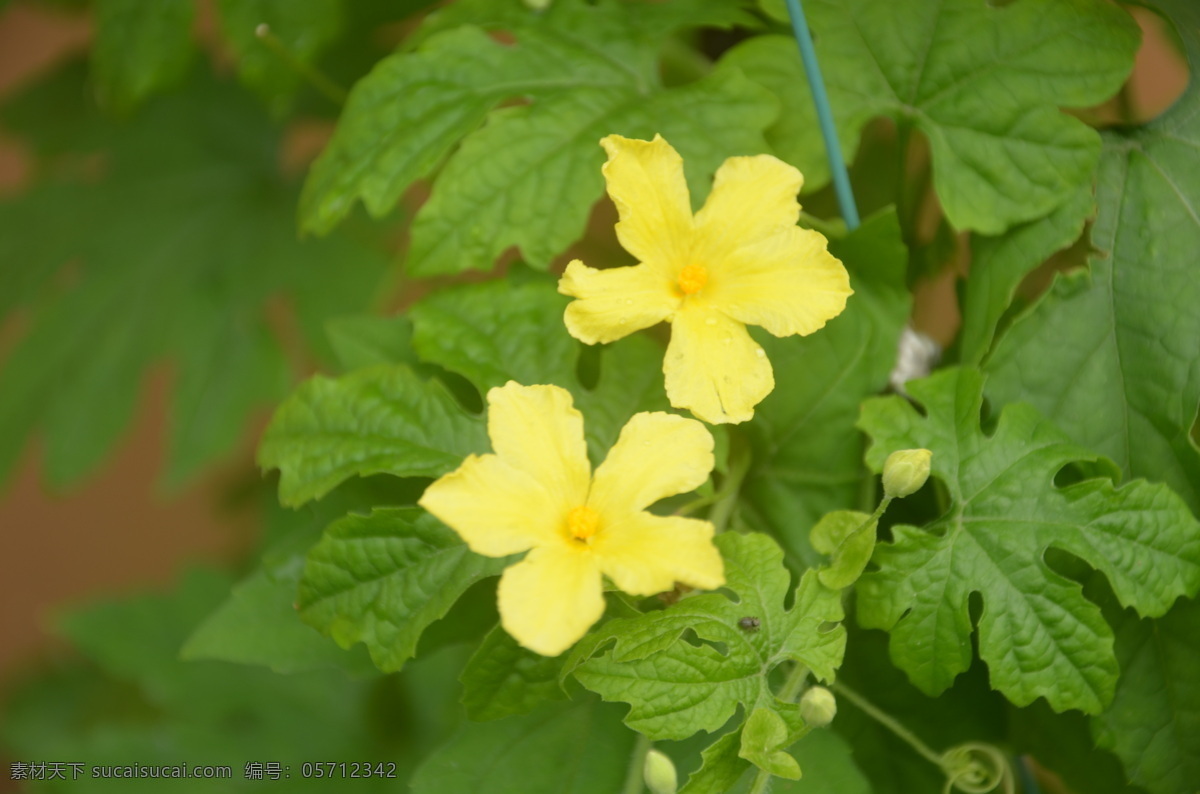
(818, 707)
(905, 471)
(659, 773)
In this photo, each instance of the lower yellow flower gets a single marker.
(740, 260)
(537, 493)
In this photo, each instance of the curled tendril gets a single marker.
(977, 768)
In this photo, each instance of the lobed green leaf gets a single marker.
(983, 82)
(1039, 636)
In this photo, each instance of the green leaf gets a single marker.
(258, 624)
(676, 687)
(175, 252)
(1124, 330)
(382, 420)
(1153, 724)
(983, 82)
(572, 748)
(530, 175)
(847, 536)
(807, 454)
(381, 579)
(1037, 633)
(140, 48)
(503, 679)
(498, 331)
(762, 736)
(366, 340)
(998, 264)
(304, 30)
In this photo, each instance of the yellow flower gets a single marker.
(740, 260)
(537, 493)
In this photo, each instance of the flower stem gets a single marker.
(315, 77)
(634, 782)
(889, 722)
(726, 498)
(795, 682)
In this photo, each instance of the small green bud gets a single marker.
(818, 707)
(537, 5)
(659, 773)
(905, 471)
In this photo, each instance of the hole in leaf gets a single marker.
(691, 638)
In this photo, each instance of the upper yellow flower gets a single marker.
(538, 493)
(741, 259)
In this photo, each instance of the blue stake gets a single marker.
(837, 164)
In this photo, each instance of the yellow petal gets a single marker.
(551, 598)
(496, 509)
(646, 182)
(657, 455)
(788, 284)
(536, 429)
(713, 368)
(752, 198)
(646, 554)
(614, 303)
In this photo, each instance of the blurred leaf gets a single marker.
(1037, 632)
(382, 579)
(1153, 724)
(382, 420)
(982, 81)
(503, 679)
(140, 48)
(676, 686)
(150, 708)
(998, 264)
(531, 174)
(1110, 354)
(807, 453)
(571, 748)
(303, 29)
(1062, 744)
(175, 251)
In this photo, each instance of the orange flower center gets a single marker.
(692, 279)
(582, 522)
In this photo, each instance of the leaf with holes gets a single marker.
(1039, 636)
(676, 688)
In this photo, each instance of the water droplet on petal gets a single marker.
(728, 340)
(711, 321)
(760, 353)
(629, 301)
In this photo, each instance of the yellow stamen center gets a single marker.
(582, 522)
(692, 279)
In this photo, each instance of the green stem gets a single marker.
(635, 777)
(795, 682)
(739, 464)
(761, 781)
(315, 77)
(889, 722)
